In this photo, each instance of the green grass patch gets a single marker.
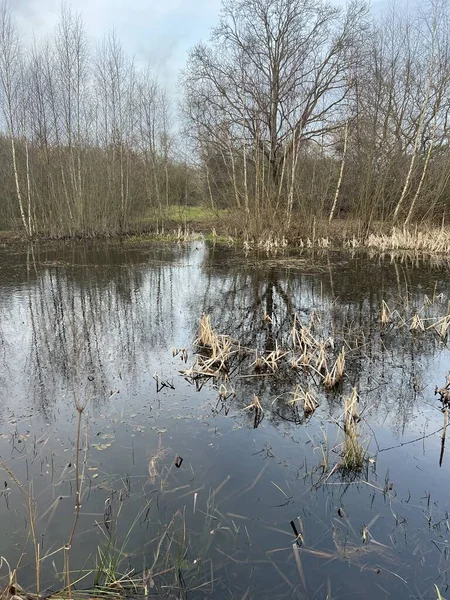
(180, 214)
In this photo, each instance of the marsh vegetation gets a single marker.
(299, 120)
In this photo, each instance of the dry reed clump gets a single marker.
(272, 243)
(184, 234)
(268, 363)
(427, 301)
(255, 404)
(431, 241)
(354, 454)
(219, 356)
(257, 409)
(386, 315)
(207, 337)
(268, 241)
(441, 326)
(226, 393)
(352, 243)
(310, 352)
(220, 348)
(305, 398)
(215, 353)
(320, 242)
(419, 321)
(335, 376)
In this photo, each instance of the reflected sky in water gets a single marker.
(99, 321)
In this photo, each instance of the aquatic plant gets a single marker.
(354, 453)
(417, 323)
(304, 397)
(429, 240)
(386, 313)
(256, 407)
(333, 377)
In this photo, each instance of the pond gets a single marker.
(221, 483)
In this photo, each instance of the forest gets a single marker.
(292, 112)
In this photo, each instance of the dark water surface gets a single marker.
(98, 322)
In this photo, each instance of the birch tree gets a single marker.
(11, 80)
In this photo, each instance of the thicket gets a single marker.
(293, 111)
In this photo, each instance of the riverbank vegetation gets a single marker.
(295, 114)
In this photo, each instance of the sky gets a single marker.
(158, 33)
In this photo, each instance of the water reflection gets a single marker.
(99, 321)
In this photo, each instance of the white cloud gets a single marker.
(156, 32)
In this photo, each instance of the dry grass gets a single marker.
(427, 241)
(321, 358)
(268, 241)
(219, 356)
(269, 363)
(257, 409)
(333, 377)
(421, 320)
(255, 404)
(314, 352)
(386, 315)
(354, 454)
(417, 323)
(215, 352)
(353, 243)
(207, 337)
(305, 398)
(441, 326)
(184, 234)
(319, 242)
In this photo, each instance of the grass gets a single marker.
(335, 376)
(109, 570)
(427, 240)
(180, 234)
(199, 217)
(354, 453)
(230, 226)
(214, 354)
(305, 398)
(422, 320)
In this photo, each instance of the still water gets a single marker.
(184, 487)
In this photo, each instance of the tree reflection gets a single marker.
(255, 301)
(103, 317)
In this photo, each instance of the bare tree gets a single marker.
(275, 72)
(11, 79)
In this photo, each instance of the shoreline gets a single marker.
(419, 242)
